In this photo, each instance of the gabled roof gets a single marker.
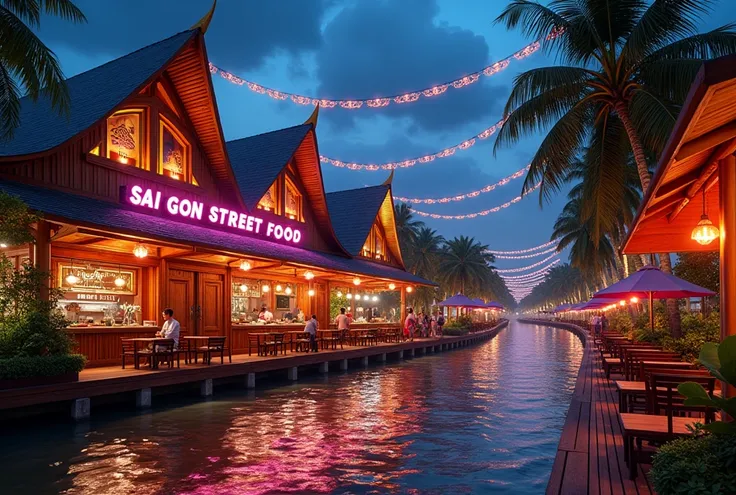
(258, 160)
(60, 206)
(353, 213)
(93, 95)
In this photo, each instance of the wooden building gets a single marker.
(145, 206)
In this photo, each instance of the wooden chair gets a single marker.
(276, 342)
(215, 345)
(332, 341)
(632, 358)
(662, 396)
(254, 343)
(301, 343)
(162, 351)
(128, 349)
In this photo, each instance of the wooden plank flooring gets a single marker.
(590, 455)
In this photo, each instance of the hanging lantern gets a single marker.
(245, 265)
(705, 232)
(72, 279)
(308, 275)
(356, 281)
(634, 300)
(287, 291)
(375, 298)
(279, 288)
(265, 288)
(140, 251)
(243, 288)
(357, 297)
(391, 286)
(311, 292)
(409, 289)
(349, 296)
(339, 293)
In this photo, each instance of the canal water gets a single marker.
(481, 419)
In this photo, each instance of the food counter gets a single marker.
(240, 332)
(101, 344)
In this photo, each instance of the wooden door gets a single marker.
(211, 301)
(181, 298)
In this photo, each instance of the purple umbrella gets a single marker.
(495, 305)
(598, 303)
(652, 283)
(461, 301)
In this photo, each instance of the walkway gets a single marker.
(590, 456)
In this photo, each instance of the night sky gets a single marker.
(357, 49)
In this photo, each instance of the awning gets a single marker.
(93, 213)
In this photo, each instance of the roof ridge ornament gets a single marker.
(389, 180)
(313, 118)
(204, 22)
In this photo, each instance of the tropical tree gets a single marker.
(423, 260)
(465, 265)
(562, 284)
(25, 59)
(630, 60)
(407, 226)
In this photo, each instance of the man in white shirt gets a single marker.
(343, 323)
(265, 314)
(170, 328)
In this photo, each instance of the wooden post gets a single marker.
(43, 254)
(403, 305)
(727, 185)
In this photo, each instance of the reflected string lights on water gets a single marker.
(482, 418)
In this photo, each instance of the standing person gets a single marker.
(597, 324)
(265, 314)
(433, 325)
(592, 323)
(604, 323)
(171, 328)
(311, 329)
(440, 323)
(410, 324)
(427, 325)
(343, 324)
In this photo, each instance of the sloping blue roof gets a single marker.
(93, 212)
(93, 94)
(258, 160)
(353, 213)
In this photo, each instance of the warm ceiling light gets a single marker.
(409, 289)
(705, 232)
(120, 281)
(279, 288)
(634, 300)
(357, 297)
(622, 303)
(245, 265)
(265, 288)
(356, 281)
(72, 279)
(311, 292)
(375, 298)
(309, 275)
(287, 291)
(349, 295)
(243, 288)
(391, 286)
(339, 293)
(140, 251)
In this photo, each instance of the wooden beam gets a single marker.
(677, 184)
(711, 167)
(171, 252)
(64, 231)
(663, 205)
(706, 141)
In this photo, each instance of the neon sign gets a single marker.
(187, 209)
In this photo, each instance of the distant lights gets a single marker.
(339, 293)
(311, 292)
(308, 275)
(357, 297)
(245, 265)
(391, 286)
(356, 281)
(410, 289)
(634, 300)
(243, 288)
(349, 295)
(375, 299)
(622, 303)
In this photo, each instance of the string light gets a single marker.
(410, 162)
(531, 274)
(476, 214)
(384, 101)
(473, 194)
(528, 267)
(522, 251)
(524, 256)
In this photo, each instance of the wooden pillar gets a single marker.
(727, 185)
(403, 305)
(42, 256)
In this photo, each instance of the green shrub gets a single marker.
(621, 321)
(705, 465)
(455, 331)
(35, 334)
(696, 331)
(33, 366)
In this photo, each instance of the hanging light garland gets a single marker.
(410, 162)
(528, 267)
(523, 256)
(384, 101)
(522, 251)
(476, 214)
(529, 275)
(473, 194)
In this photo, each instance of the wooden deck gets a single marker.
(590, 455)
(112, 380)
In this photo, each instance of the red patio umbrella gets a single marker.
(652, 283)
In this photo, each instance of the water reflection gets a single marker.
(480, 419)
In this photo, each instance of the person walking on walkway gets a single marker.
(343, 324)
(311, 329)
(410, 325)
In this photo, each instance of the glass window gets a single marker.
(293, 206)
(379, 252)
(173, 154)
(124, 137)
(268, 201)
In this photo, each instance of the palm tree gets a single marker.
(424, 260)
(407, 226)
(626, 59)
(26, 59)
(465, 265)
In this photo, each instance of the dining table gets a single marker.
(197, 339)
(146, 341)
